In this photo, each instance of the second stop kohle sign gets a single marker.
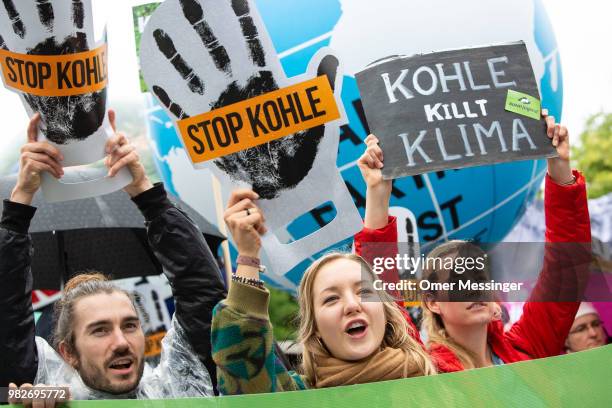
(454, 109)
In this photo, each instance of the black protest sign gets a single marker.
(454, 109)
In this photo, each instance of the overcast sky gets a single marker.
(584, 33)
(582, 29)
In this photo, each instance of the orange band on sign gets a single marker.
(153, 344)
(55, 75)
(259, 120)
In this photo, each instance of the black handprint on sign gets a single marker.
(268, 168)
(64, 118)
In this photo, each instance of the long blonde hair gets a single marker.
(398, 334)
(436, 334)
(432, 322)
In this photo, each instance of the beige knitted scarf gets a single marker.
(388, 364)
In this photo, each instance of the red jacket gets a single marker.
(543, 327)
(386, 234)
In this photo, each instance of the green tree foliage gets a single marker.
(283, 313)
(594, 155)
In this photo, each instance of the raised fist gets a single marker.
(198, 64)
(63, 118)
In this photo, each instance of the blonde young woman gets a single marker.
(350, 334)
(463, 335)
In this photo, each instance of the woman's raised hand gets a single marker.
(245, 221)
(379, 190)
(559, 167)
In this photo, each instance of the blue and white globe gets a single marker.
(481, 203)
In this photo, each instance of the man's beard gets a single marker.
(95, 378)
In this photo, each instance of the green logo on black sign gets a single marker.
(523, 104)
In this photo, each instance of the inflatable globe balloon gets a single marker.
(478, 203)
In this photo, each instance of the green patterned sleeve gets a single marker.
(242, 345)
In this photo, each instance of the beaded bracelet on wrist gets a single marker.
(258, 283)
(570, 182)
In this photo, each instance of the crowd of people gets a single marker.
(221, 340)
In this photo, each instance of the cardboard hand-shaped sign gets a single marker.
(49, 56)
(197, 58)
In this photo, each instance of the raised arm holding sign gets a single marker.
(463, 327)
(94, 364)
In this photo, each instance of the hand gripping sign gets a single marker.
(214, 68)
(48, 56)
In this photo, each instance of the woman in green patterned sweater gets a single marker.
(350, 333)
